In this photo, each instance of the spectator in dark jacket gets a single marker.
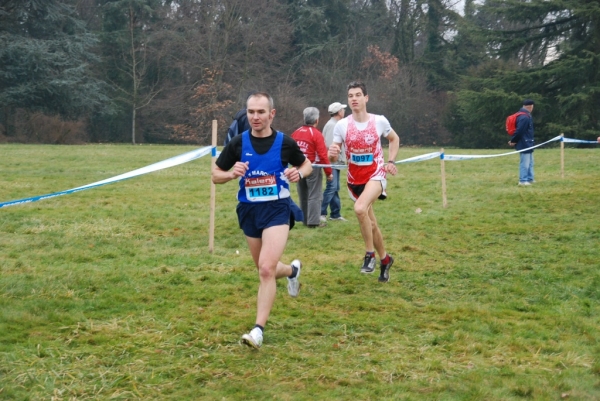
(242, 124)
(523, 139)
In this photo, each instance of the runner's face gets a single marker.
(260, 114)
(356, 99)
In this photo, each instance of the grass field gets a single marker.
(111, 293)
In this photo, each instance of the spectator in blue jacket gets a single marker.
(523, 139)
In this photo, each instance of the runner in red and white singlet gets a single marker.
(367, 170)
(363, 148)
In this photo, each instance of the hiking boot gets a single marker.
(294, 283)
(253, 339)
(368, 265)
(384, 277)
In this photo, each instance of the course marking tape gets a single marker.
(569, 140)
(468, 157)
(409, 160)
(198, 153)
(173, 161)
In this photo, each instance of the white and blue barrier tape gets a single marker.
(569, 140)
(198, 153)
(173, 161)
(420, 158)
(468, 157)
(409, 160)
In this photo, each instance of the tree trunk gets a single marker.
(133, 125)
(133, 76)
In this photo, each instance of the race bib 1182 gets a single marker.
(260, 189)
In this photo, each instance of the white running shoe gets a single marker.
(368, 265)
(253, 339)
(338, 218)
(294, 283)
(323, 219)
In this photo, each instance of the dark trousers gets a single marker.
(310, 193)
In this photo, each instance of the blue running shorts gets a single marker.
(255, 217)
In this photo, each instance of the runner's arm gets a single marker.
(220, 176)
(295, 173)
(334, 151)
(394, 145)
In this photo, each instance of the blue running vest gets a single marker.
(263, 181)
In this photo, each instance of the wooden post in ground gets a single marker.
(444, 199)
(562, 156)
(213, 191)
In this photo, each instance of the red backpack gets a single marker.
(511, 122)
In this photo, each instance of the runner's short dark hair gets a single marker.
(358, 84)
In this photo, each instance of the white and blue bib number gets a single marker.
(261, 189)
(361, 159)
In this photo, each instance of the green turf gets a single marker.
(111, 293)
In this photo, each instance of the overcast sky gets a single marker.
(457, 5)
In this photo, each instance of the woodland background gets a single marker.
(157, 71)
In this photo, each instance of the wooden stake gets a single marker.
(444, 199)
(562, 156)
(213, 191)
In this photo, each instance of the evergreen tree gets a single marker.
(45, 54)
(546, 50)
(439, 30)
(408, 16)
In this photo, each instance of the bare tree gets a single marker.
(226, 42)
(128, 44)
